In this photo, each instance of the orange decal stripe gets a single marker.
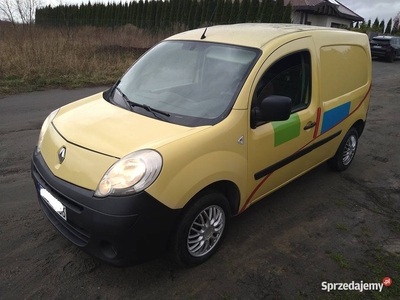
(317, 121)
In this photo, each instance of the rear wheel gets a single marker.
(392, 56)
(346, 151)
(201, 229)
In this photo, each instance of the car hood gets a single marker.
(100, 126)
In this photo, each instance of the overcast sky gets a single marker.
(368, 9)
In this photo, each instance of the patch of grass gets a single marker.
(339, 202)
(366, 231)
(375, 268)
(396, 265)
(68, 81)
(376, 265)
(394, 226)
(342, 227)
(377, 211)
(302, 294)
(383, 264)
(42, 58)
(379, 256)
(341, 260)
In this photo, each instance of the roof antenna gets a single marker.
(203, 36)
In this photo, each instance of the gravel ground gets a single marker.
(325, 226)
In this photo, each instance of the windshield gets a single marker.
(196, 83)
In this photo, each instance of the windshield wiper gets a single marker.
(125, 97)
(154, 111)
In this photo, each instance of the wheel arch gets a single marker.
(227, 188)
(359, 126)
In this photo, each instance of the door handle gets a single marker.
(310, 125)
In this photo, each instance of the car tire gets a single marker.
(392, 56)
(346, 151)
(200, 229)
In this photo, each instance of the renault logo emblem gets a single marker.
(61, 154)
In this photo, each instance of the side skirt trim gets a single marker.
(294, 156)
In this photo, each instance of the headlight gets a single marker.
(131, 174)
(45, 126)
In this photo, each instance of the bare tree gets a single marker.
(19, 11)
(7, 11)
(26, 10)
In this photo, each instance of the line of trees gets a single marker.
(158, 15)
(392, 27)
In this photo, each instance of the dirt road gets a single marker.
(325, 226)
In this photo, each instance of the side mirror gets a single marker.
(273, 108)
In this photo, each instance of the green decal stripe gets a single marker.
(286, 130)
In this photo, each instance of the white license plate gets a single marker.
(378, 47)
(56, 205)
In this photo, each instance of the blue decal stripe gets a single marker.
(335, 116)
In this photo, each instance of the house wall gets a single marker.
(338, 20)
(296, 17)
(319, 20)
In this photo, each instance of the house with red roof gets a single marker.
(327, 13)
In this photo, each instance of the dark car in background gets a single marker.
(384, 46)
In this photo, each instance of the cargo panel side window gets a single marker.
(289, 77)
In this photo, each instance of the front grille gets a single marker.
(71, 231)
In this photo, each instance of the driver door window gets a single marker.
(290, 77)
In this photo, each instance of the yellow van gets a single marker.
(202, 126)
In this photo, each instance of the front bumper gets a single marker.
(118, 230)
(381, 52)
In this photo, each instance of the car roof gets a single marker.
(248, 34)
(384, 37)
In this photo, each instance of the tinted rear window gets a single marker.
(381, 41)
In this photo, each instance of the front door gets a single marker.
(279, 151)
